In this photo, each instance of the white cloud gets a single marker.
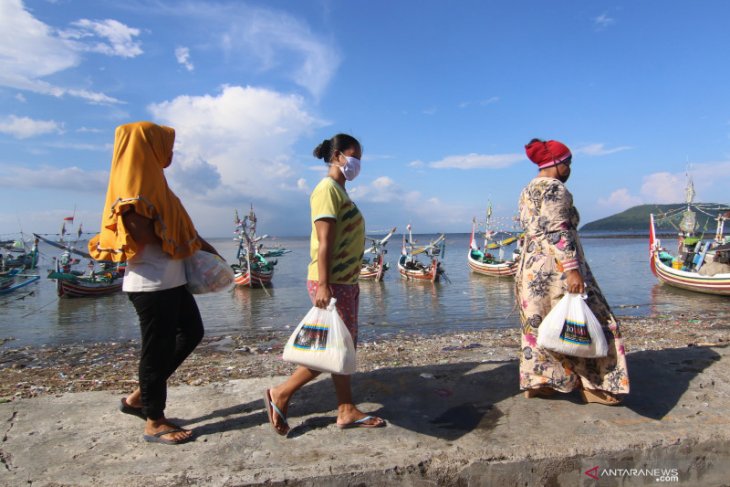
(302, 185)
(182, 54)
(247, 137)
(663, 187)
(24, 127)
(107, 36)
(417, 164)
(20, 97)
(276, 40)
(603, 21)
(620, 200)
(30, 50)
(429, 111)
(599, 149)
(46, 177)
(477, 161)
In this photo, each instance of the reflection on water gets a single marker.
(468, 302)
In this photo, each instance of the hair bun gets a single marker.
(322, 151)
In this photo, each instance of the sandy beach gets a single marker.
(31, 371)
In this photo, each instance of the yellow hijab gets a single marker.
(142, 150)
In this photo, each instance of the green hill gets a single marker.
(637, 218)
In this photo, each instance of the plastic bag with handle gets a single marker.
(572, 329)
(207, 273)
(322, 342)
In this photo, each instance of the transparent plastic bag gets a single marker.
(207, 273)
(572, 329)
(322, 342)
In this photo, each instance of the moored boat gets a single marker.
(480, 261)
(411, 268)
(374, 268)
(698, 265)
(252, 269)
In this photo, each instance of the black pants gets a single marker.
(171, 329)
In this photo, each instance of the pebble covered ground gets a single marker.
(32, 371)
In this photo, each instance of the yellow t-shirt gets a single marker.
(330, 200)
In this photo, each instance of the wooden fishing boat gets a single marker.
(485, 263)
(412, 269)
(20, 256)
(698, 265)
(374, 268)
(71, 283)
(252, 269)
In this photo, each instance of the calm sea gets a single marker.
(35, 316)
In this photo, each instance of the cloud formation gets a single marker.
(108, 36)
(24, 127)
(603, 21)
(620, 200)
(30, 50)
(599, 149)
(244, 135)
(46, 177)
(476, 161)
(182, 54)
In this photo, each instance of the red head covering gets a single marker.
(546, 154)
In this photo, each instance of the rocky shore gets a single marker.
(37, 371)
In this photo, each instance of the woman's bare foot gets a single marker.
(543, 391)
(154, 427)
(134, 400)
(348, 416)
(279, 423)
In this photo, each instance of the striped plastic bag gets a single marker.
(322, 342)
(572, 329)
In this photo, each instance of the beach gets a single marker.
(35, 371)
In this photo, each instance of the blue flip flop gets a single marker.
(271, 409)
(127, 409)
(360, 423)
(157, 437)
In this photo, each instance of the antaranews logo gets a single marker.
(593, 473)
(659, 474)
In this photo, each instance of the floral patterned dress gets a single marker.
(551, 247)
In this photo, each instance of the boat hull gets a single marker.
(426, 274)
(504, 269)
(252, 279)
(15, 284)
(374, 271)
(691, 281)
(80, 289)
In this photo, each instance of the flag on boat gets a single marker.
(69, 219)
(79, 232)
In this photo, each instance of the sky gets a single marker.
(442, 95)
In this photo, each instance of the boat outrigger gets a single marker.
(699, 265)
(374, 269)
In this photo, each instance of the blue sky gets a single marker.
(443, 96)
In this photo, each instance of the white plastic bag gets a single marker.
(207, 273)
(572, 329)
(322, 342)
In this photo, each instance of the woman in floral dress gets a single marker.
(553, 263)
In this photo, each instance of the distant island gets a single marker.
(637, 218)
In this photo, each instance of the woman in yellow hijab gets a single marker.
(145, 225)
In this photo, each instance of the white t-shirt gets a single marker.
(151, 269)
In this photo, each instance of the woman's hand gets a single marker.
(575, 282)
(322, 296)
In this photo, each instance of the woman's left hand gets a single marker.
(575, 282)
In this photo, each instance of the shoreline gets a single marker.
(36, 371)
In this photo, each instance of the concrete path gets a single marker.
(462, 424)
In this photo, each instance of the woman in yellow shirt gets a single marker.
(337, 244)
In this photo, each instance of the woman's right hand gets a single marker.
(322, 296)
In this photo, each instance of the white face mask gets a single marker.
(351, 168)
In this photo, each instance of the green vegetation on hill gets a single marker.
(637, 218)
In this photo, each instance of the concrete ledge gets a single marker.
(459, 424)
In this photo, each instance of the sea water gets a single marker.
(34, 315)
